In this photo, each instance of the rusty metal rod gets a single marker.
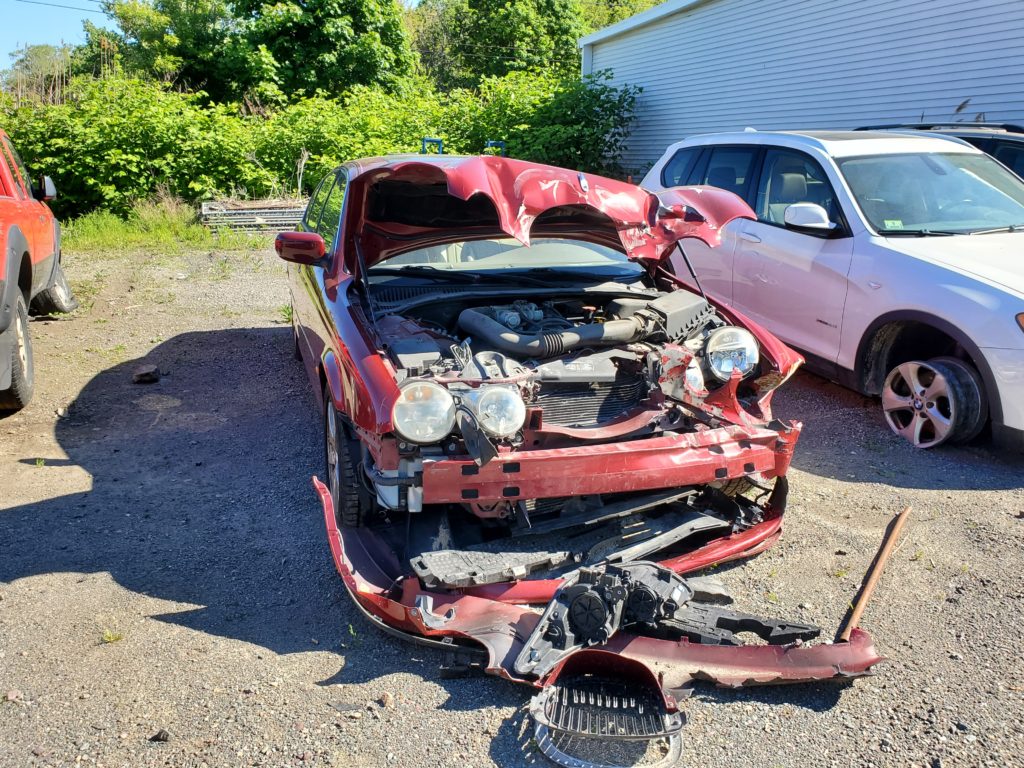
(874, 573)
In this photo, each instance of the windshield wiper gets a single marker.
(919, 232)
(995, 230)
(430, 273)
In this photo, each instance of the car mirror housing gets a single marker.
(300, 247)
(46, 190)
(808, 216)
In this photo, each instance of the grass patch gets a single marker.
(164, 224)
(110, 636)
(285, 311)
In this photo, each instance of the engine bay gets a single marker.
(615, 351)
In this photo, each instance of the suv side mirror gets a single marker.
(300, 247)
(46, 190)
(810, 217)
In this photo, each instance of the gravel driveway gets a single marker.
(163, 567)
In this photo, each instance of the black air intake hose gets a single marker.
(551, 344)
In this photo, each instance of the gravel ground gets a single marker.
(163, 568)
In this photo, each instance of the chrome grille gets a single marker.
(589, 405)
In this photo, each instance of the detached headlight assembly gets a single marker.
(730, 349)
(500, 411)
(424, 412)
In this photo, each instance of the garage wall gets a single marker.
(778, 64)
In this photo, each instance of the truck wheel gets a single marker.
(935, 401)
(22, 372)
(347, 492)
(56, 299)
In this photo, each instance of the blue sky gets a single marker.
(23, 23)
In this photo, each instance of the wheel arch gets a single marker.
(884, 333)
(18, 273)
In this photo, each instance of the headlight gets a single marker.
(500, 411)
(730, 349)
(424, 412)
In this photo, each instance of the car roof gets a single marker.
(837, 143)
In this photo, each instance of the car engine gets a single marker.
(576, 362)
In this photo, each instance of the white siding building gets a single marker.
(714, 65)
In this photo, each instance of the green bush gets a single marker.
(117, 141)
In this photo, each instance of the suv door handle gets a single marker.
(750, 237)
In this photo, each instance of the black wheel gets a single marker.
(56, 299)
(935, 401)
(974, 413)
(341, 455)
(18, 395)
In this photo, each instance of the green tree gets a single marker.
(434, 28)
(38, 73)
(501, 36)
(328, 45)
(193, 43)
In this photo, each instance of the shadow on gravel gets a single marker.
(846, 438)
(201, 494)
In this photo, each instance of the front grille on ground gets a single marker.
(589, 405)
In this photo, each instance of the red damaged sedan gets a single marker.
(532, 428)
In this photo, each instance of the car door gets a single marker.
(310, 282)
(794, 282)
(36, 218)
(728, 167)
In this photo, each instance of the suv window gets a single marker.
(730, 168)
(330, 219)
(677, 169)
(316, 203)
(22, 169)
(1011, 155)
(792, 177)
(23, 185)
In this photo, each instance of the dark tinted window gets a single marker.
(678, 169)
(1011, 155)
(22, 169)
(792, 177)
(330, 219)
(316, 203)
(731, 168)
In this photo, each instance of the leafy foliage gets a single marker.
(262, 51)
(502, 36)
(120, 140)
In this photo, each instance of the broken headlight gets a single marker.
(730, 349)
(424, 412)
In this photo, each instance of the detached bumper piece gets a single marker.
(610, 645)
(575, 719)
(598, 602)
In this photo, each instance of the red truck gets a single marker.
(31, 278)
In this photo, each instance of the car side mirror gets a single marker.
(300, 247)
(810, 217)
(46, 190)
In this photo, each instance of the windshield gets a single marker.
(935, 193)
(508, 255)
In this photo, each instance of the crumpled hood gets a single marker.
(400, 204)
(997, 258)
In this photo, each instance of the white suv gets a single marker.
(895, 263)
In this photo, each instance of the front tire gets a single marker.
(932, 402)
(18, 395)
(56, 299)
(351, 502)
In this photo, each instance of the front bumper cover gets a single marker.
(487, 618)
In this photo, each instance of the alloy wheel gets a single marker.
(920, 404)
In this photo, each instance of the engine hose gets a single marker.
(550, 344)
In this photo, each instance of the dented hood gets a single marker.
(399, 204)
